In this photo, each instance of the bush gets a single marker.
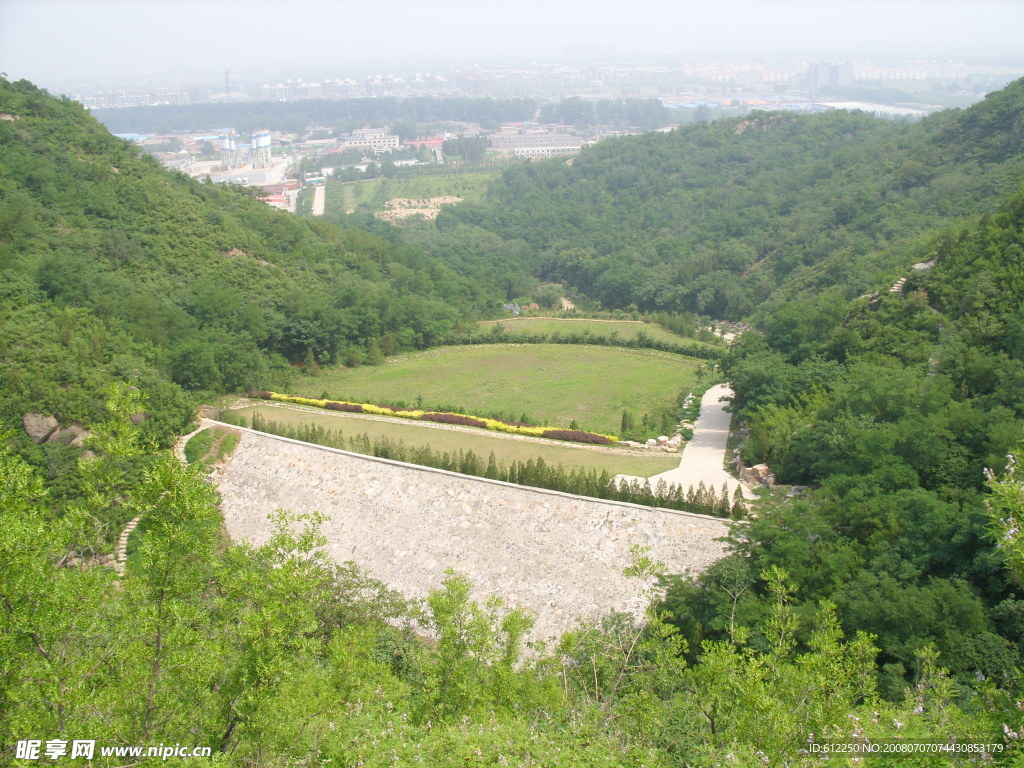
(334, 405)
(454, 418)
(578, 436)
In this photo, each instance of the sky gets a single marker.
(67, 44)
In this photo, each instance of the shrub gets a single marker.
(579, 436)
(334, 405)
(454, 418)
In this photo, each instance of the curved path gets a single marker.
(121, 556)
(703, 458)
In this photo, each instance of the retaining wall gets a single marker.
(559, 555)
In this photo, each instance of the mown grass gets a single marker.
(345, 197)
(624, 329)
(550, 383)
(505, 449)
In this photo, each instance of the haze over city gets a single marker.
(66, 46)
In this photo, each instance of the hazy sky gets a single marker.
(61, 44)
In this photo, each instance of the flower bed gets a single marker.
(496, 425)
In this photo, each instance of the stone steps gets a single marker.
(122, 545)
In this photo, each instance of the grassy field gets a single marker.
(506, 450)
(346, 197)
(625, 329)
(558, 383)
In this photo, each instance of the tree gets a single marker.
(478, 648)
(1005, 506)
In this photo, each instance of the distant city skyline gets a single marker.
(67, 45)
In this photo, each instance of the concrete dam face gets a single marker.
(560, 556)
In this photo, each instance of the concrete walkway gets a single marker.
(703, 457)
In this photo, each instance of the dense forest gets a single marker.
(884, 603)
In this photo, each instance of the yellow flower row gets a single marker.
(492, 424)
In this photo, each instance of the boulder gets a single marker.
(651, 443)
(137, 418)
(759, 473)
(662, 439)
(73, 435)
(81, 436)
(39, 427)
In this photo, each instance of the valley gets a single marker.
(886, 593)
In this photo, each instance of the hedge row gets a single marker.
(640, 341)
(496, 425)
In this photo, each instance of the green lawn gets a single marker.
(345, 197)
(558, 383)
(625, 329)
(506, 450)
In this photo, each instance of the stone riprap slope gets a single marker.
(560, 556)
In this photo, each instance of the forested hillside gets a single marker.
(894, 406)
(725, 218)
(117, 266)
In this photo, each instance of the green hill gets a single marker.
(137, 268)
(737, 215)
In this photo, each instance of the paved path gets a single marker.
(703, 458)
(319, 196)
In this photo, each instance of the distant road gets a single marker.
(319, 196)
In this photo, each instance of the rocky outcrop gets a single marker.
(73, 435)
(46, 429)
